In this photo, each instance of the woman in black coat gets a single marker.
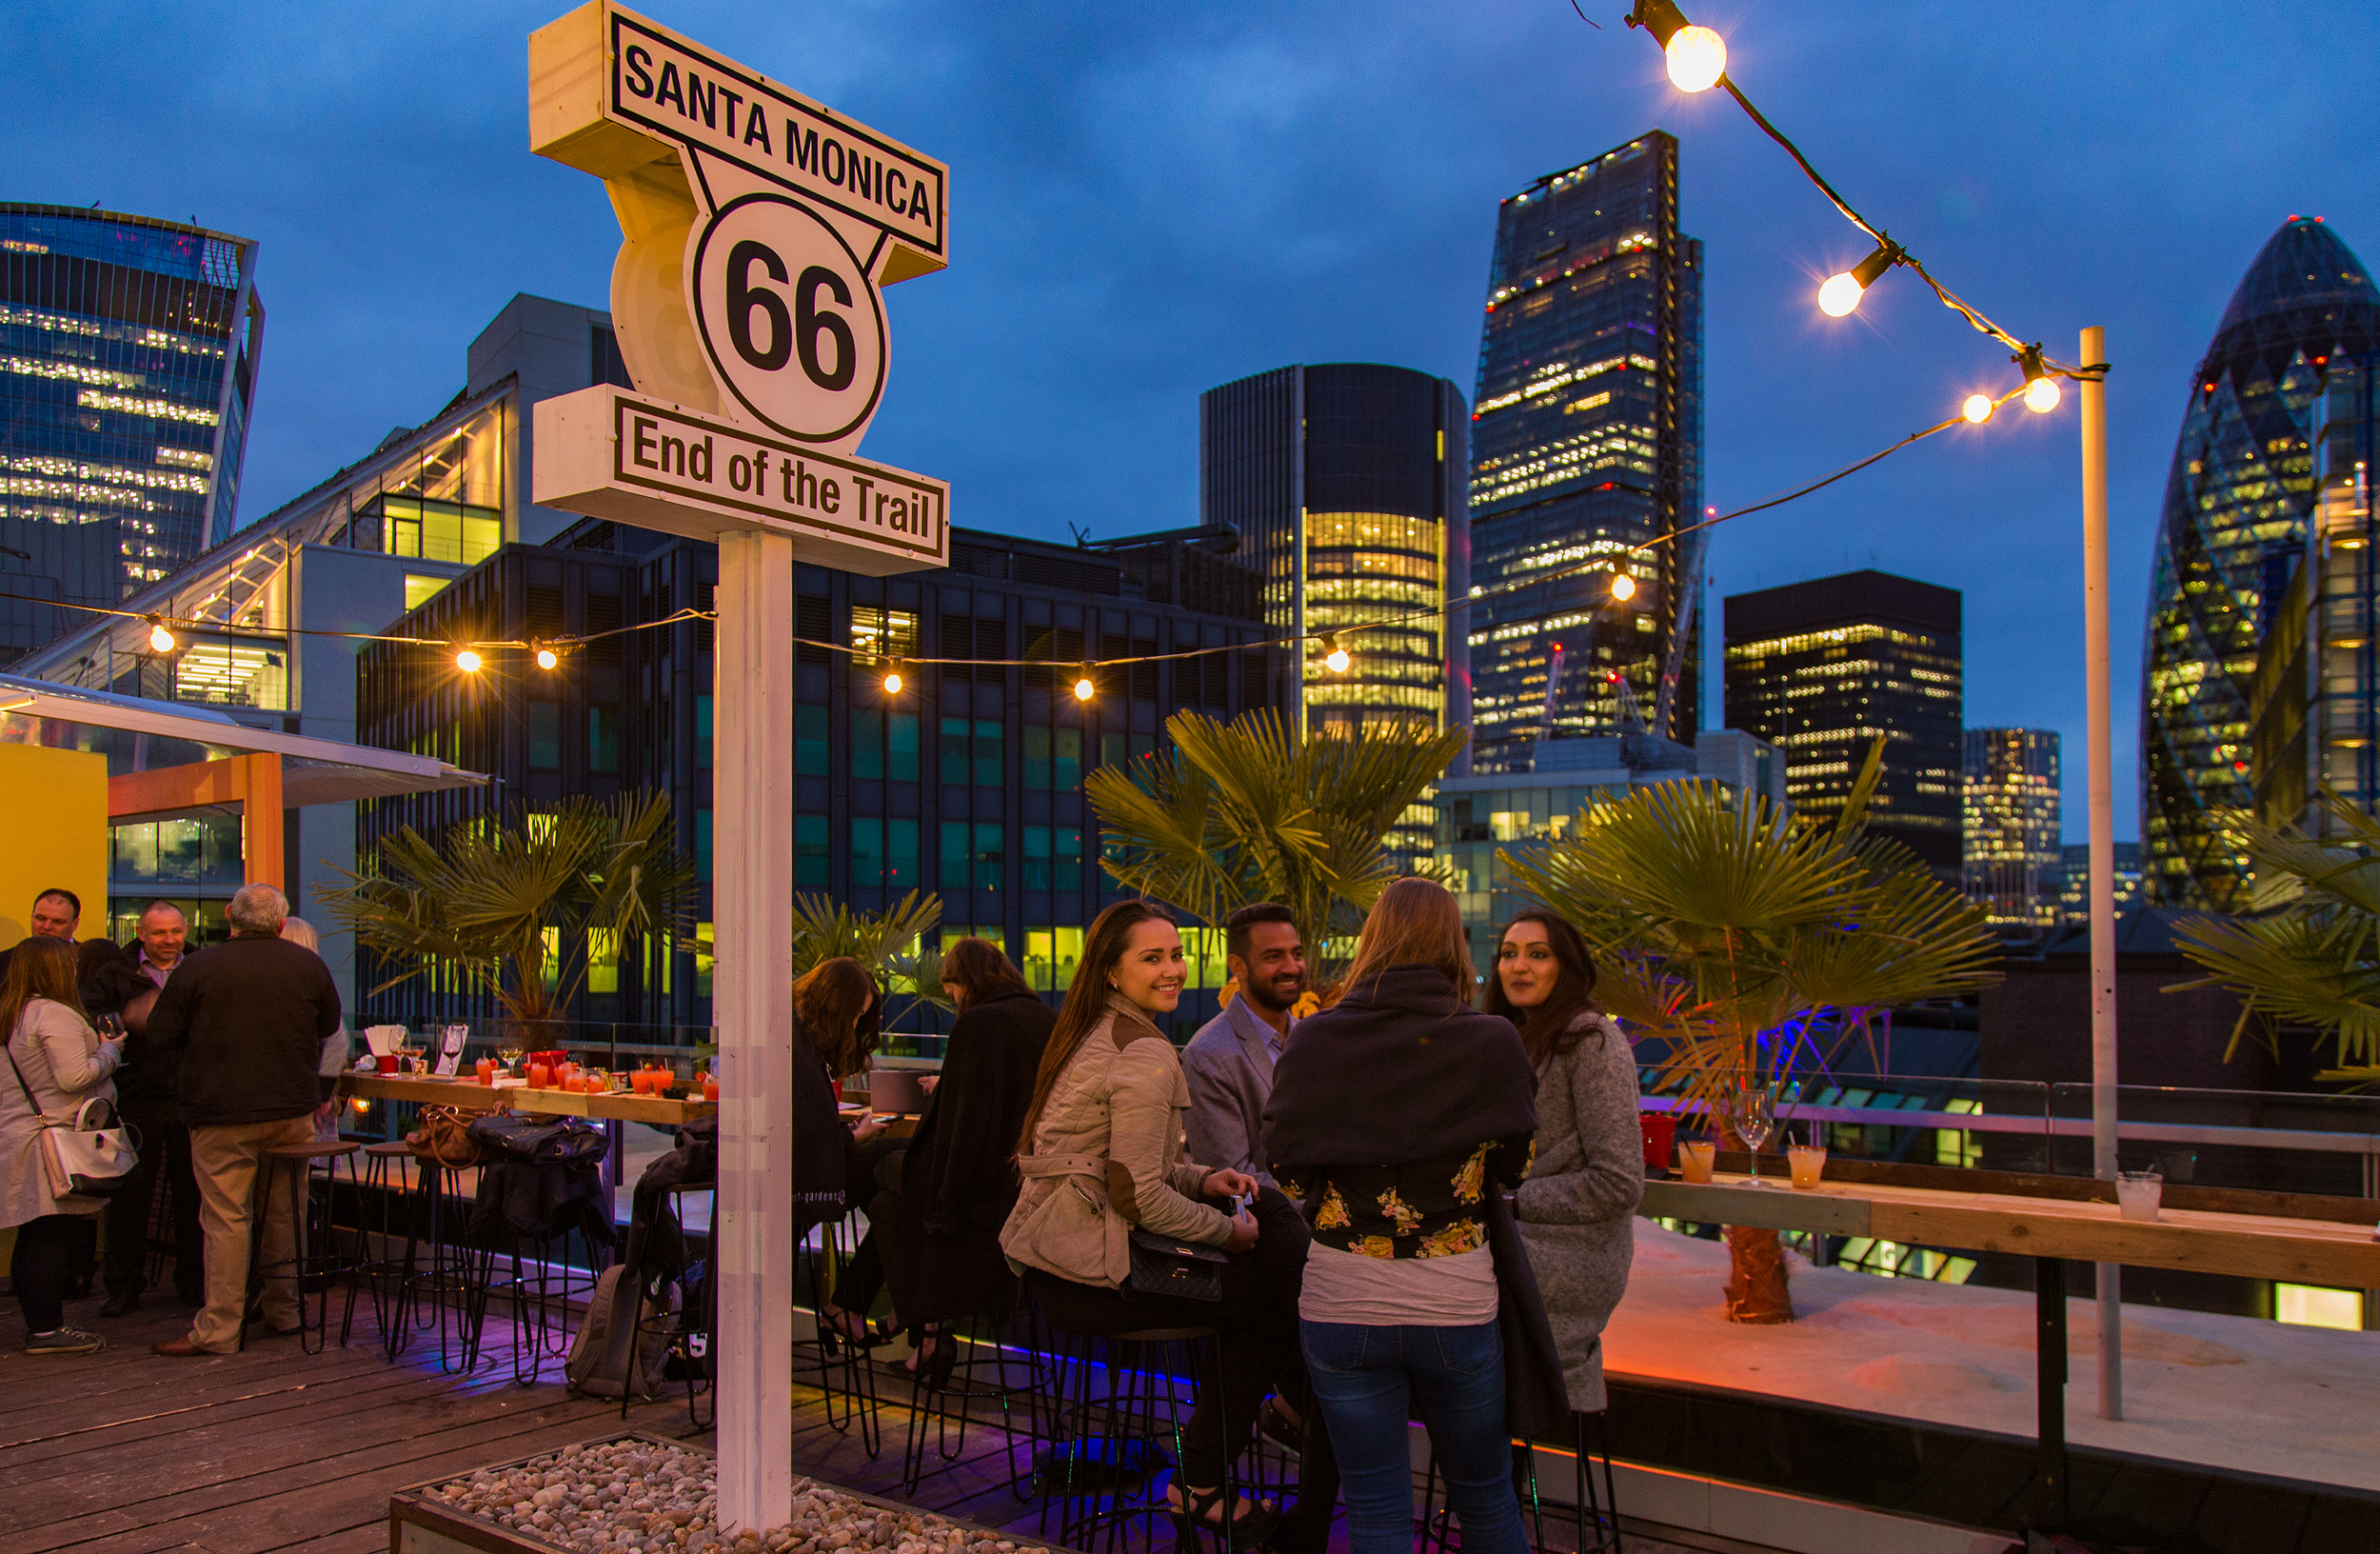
(939, 1206)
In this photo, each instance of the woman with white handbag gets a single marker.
(59, 1061)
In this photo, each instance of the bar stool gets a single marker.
(845, 1373)
(540, 1284)
(1593, 1511)
(427, 1285)
(685, 1329)
(311, 1223)
(1111, 1449)
(993, 1356)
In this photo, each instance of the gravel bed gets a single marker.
(644, 1497)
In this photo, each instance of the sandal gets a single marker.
(935, 1357)
(1194, 1513)
(839, 1326)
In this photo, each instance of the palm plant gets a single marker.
(2309, 956)
(890, 944)
(501, 906)
(1247, 811)
(1720, 929)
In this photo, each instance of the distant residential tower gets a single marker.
(2014, 867)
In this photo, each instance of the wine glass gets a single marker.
(1754, 1113)
(509, 1055)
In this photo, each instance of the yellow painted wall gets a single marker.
(56, 802)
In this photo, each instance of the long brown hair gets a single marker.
(1086, 999)
(40, 968)
(1415, 923)
(837, 1004)
(1545, 1030)
(980, 970)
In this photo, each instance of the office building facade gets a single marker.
(2251, 467)
(1821, 668)
(129, 352)
(2074, 896)
(378, 538)
(965, 784)
(1587, 442)
(1345, 484)
(2014, 868)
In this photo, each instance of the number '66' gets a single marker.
(803, 330)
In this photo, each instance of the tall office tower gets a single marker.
(1587, 441)
(1346, 483)
(2014, 866)
(128, 364)
(2075, 888)
(2240, 505)
(1820, 668)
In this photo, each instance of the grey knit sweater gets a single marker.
(1582, 1191)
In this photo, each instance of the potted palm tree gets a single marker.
(510, 909)
(1248, 810)
(1723, 931)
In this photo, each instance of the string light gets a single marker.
(1841, 293)
(1623, 586)
(546, 657)
(468, 661)
(2041, 391)
(160, 635)
(892, 683)
(1085, 686)
(1334, 657)
(1696, 56)
(1978, 410)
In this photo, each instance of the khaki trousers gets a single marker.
(226, 1162)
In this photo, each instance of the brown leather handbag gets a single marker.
(445, 1136)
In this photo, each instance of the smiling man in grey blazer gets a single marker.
(1229, 1063)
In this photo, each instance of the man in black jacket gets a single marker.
(249, 1017)
(126, 984)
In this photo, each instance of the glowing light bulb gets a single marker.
(892, 683)
(1978, 410)
(467, 661)
(1697, 57)
(1623, 586)
(160, 636)
(1840, 294)
(1085, 687)
(1334, 657)
(2041, 395)
(547, 658)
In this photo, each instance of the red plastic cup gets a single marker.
(540, 1076)
(710, 1087)
(1660, 1131)
(387, 1062)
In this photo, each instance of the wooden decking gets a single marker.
(125, 1452)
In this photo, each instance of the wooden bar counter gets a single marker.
(620, 1107)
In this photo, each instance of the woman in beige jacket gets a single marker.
(1101, 1155)
(56, 1063)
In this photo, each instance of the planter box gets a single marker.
(419, 1523)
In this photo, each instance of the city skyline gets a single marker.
(1361, 241)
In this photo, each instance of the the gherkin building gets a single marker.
(2238, 504)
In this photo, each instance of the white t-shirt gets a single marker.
(1457, 1291)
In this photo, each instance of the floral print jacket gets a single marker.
(1421, 1208)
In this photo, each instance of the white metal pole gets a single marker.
(2103, 1078)
(752, 993)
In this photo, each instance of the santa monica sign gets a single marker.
(759, 230)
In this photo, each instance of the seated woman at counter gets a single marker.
(835, 1011)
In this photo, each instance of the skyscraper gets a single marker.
(2239, 507)
(2014, 867)
(1587, 441)
(1346, 483)
(127, 364)
(1820, 668)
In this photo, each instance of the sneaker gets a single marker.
(64, 1341)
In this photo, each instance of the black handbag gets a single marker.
(1165, 1268)
(562, 1140)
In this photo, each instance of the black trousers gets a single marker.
(872, 1177)
(42, 1266)
(1258, 1317)
(165, 1150)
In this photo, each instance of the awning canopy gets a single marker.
(140, 735)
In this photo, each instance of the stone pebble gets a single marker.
(641, 1497)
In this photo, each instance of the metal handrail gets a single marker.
(2343, 1141)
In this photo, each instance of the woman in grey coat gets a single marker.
(1583, 1186)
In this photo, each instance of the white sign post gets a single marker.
(759, 229)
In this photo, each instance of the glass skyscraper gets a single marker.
(2014, 867)
(1346, 483)
(1587, 440)
(127, 361)
(1820, 668)
(2240, 502)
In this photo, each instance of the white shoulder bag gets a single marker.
(86, 1155)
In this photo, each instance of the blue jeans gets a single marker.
(1366, 1377)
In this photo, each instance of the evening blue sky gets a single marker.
(1146, 201)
